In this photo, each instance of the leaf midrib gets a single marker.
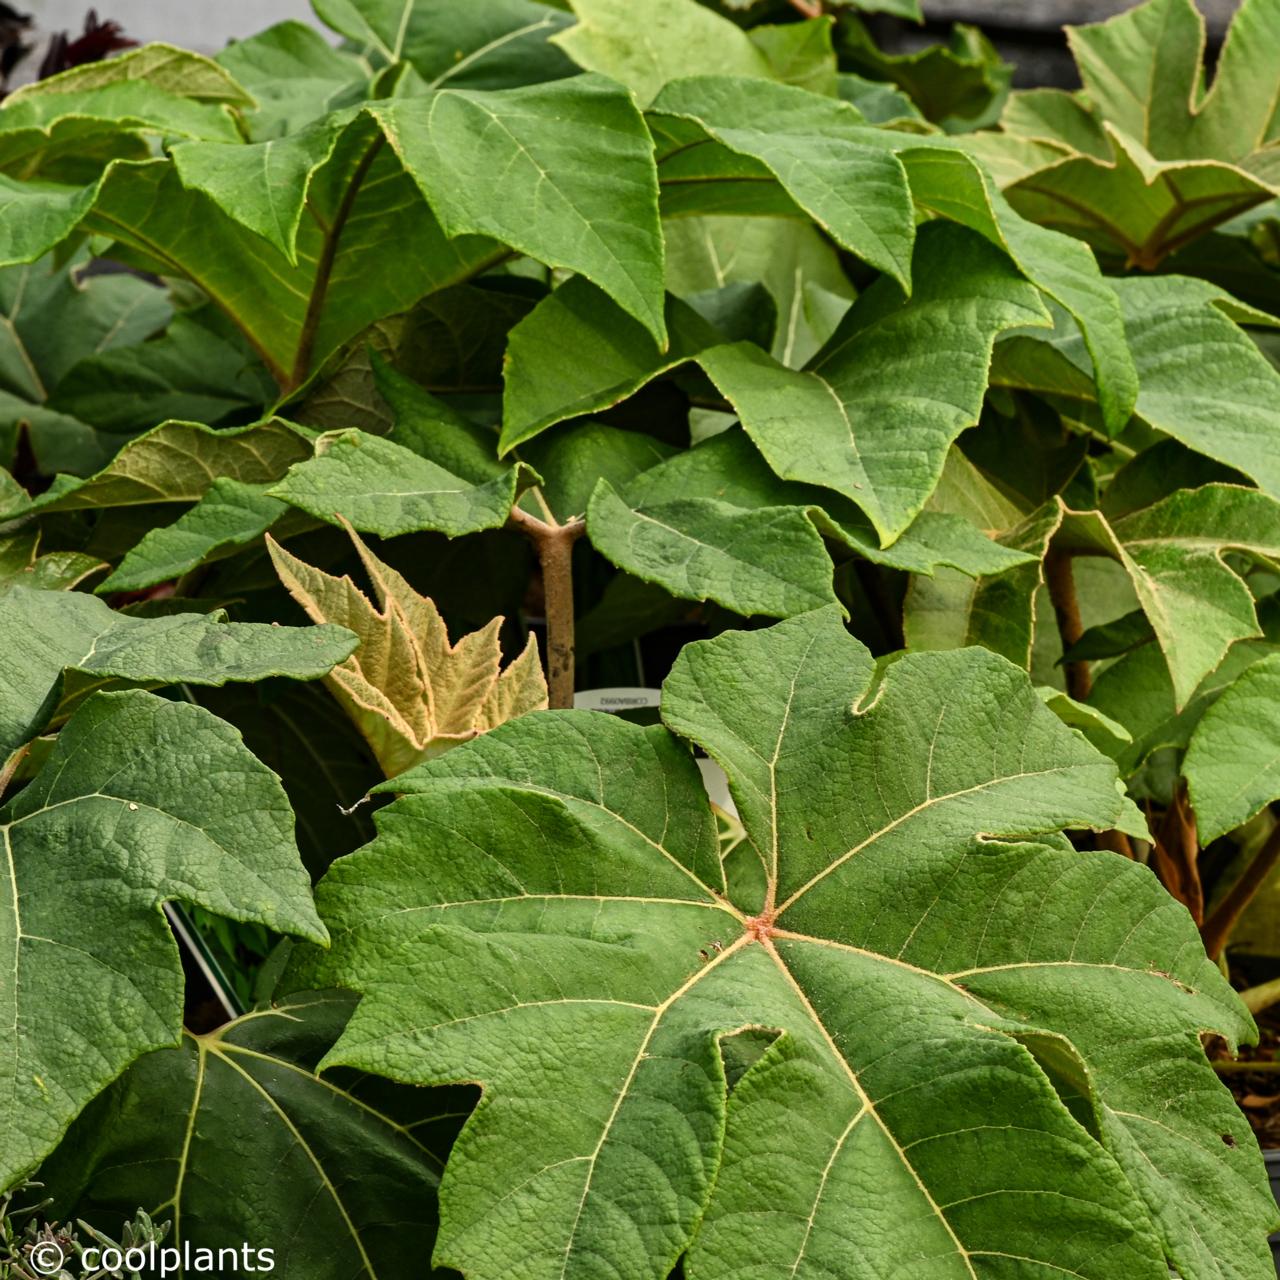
(305, 1147)
(868, 1105)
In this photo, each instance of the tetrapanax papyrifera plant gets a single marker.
(506, 333)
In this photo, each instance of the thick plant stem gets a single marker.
(1216, 930)
(1061, 582)
(554, 544)
(1176, 853)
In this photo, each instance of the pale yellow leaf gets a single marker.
(409, 691)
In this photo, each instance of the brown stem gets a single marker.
(10, 767)
(1117, 842)
(1176, 852)
(554, 544)
(1062, 592)
(1216, 930)
(809, 8)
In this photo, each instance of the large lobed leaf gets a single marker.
(904, 1029)
(232, 1138)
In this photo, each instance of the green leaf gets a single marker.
(523, 166)
(844, 423)
(199, 370)
(714, 523)
(58, 136)
(378, 486)
(300, 733)
(769, 561)
(41, 215)
(349, 1157)
(809, 144)
(298, 192)
(960, 84)
(835, 169)
(598, 917)
(21, 565)
(431, 429)
(950, 186)
(177, 71)
(1136, 690)
(875, 413)
(263, 185)
(1111, 639)
(231, 515)
(1231, 762)
(66, 631)
(880, 103)
(55, 322)
(1109, 736)
(129, 812)
(1173, 554)
(1147, 163)
(1224, 407)
(572, 461)
(490, 44)
(177, 462)
(578, 353)
(794, 263)
(296, 75)
(294, 316)
(997, 611)
(647, 47)
(800, 53)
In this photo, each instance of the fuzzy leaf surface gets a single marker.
(947, 1078)
(229, 516)
(69, 631)
(381, 487)
(522, 166)
(807, 142)
(715, 523)
(1232, 764)
(175, 462)
(410, 692)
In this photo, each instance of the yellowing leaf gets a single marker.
(407, 689)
